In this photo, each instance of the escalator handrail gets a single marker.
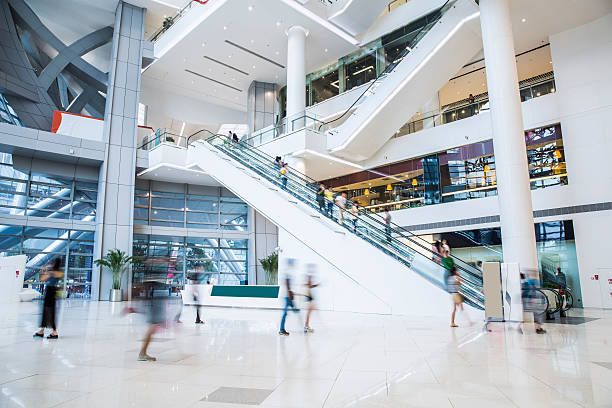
(389, 67)
(373, 218)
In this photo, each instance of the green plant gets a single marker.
(270, 265)
(117, 261)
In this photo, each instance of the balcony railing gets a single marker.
(171, 20)
(529, 89)
(285, 127)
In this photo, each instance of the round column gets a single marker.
(512, 174)
(296, 73)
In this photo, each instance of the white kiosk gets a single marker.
(12, 271)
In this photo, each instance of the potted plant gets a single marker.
(117, 261)
(270, 266)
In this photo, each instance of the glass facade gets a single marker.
(7, 113)
(40, 195)
(43, 245)
(455, 174)
(364, 65)
(172, 260)
(187, 209)
(556, 247)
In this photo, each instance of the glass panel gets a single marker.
(169, 215)
(203, 218)
(141, 213)
(233, 208)
(202, 242)
(233, 243)
(361, 71)
(325, 87)
(142, 201)
(196, 205)
(173, 203)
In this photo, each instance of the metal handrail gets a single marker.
(373, 217)
(392, 65)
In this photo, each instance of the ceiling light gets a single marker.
(389, 188)
(523, 20)
(252, 41)
(326, 50)
(415, 182)
(487, 168)
(552, 90)
(253, 66)
(229, 56)
(203, 44)
(250, 8)
(278, 23)
(225, 27)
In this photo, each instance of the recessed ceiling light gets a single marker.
(277, 52)
(229, 56)
(250, 8)
(523, 20)
(278, 23)
(203, 44)
(252, 41)
(253, 66)
(225, 27)
(326, 50)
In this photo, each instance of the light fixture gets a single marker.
(229, 56)
(250, 8)
(552, 90)
(389, 188)
(224, 27)
(278, 23)
(462, 110)
(523, 20)
(415, 182)
(408, 48)
(277, 52)
(487, 168)
(363, 70)
(557, 154)
(203, 44)
(253, 66)
(538, 94)
(252, 41)
(366, 191)
(326, 50)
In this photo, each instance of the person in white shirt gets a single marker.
(387, 218)
(341, 203)
(287, 281)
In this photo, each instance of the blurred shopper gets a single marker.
(387, 218)
(279, 161)
(309, 295)
(52, 279)
(287, 280)
(284, 171)
(156, 316)
(533, 302)
(321, 197)
(471, 101)
(196, 281)
(452, 285)
(341, 203)
(329, 195)
(355, 214)
(235, 138)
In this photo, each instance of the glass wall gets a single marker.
(39, 195)
(218, 209)
(42, 245)
(556, 247)
(173, 260)
(460, 173)
(7, 113)
(364, 65)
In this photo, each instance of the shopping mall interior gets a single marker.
(305, 203)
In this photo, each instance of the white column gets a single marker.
(431, 108)
(296, 73)
(514, 192)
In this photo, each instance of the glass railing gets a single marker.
(162, 136)
(171, 20)
(284, 128)
(394, 240)
(529, 89)
(371, 89)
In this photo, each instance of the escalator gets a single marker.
(435, 53)
(254, 177)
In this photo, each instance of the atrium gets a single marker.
(305, 203)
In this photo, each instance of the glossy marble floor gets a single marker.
(351, 360)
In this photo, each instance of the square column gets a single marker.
(115, 212)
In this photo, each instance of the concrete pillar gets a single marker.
(513, 187)
(296, 72)
(115, 213)
(263, 240)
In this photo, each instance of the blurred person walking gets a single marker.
(52, 279)
(533, 302)
(452, 285)
(156, 316)
(310, 285)
(436, 248)
(355, 214)
(287, 278)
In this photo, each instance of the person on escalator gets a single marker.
(355, 215)
(279, 161)
(341, 203)
(284, 171)
(321, 197)
(235, 138)
(329, 195)
(388, 231)
(436, 248)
